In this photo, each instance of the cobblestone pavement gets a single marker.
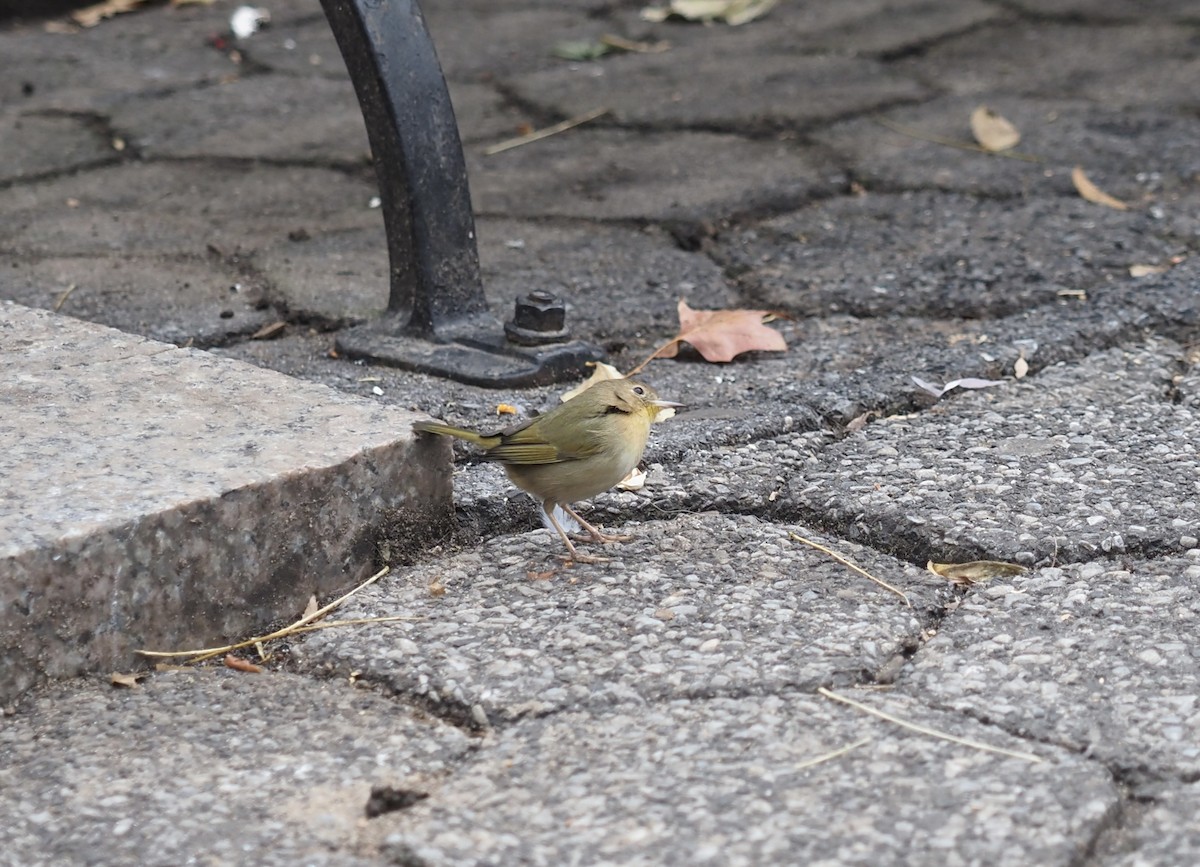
(684, 704)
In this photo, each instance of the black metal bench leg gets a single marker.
(438, 319)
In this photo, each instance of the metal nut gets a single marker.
(539, 317)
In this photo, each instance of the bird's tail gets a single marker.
(436, 427)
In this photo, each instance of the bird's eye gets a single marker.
(637, 389)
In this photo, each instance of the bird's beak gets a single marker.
(666, 404)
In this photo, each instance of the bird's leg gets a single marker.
(593, 531)
(548, 508)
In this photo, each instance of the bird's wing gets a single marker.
(527, 444)
(526, 453)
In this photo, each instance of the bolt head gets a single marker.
(539, 317)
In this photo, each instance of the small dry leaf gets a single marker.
(993, 132)
(1093, 193)
(974, 572)
(505, 409)
(437, 588)
(580, 49)
(90, 16)
(858, 422)
(635, 481)
(722, 335)
(620, 43)
(969, 382)
(311, 608)
(1147, 270)
(600, 373)
(1020, 367)
(732, 12)
(127, 680)
(239, 664)
(269, 332)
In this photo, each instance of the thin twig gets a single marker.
(209, 653)
(863, 572)
(954, 143)
(830, 756)
(539, 134)
(925, 730)
(622, 44)
(62, 299)
(655, 354)
(332, 624)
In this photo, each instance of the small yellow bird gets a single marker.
(573, 452)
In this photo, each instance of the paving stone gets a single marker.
(40, 144)
(1082, 460)
(502, 631)
(208, 766)
(158, 50)
(334, 276)
(618, 174)
(711, 86)
(942, 256)
(621, 284)
(494, 40)
(1120, 66)
(1097, 657)
(1164, 833)
(181, 301)
(732, 781)
(1132, 154)
(260, 117)
(164, 497)
(1106, 11)
(183, 208)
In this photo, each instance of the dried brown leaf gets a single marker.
(90, 16)
(974, 572)
(1093, 193)
(239, 664)
(994, 132)
(722, 335)
(127, 680)
(311, 608)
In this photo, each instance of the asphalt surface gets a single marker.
(682, 704)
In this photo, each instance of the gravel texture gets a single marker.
(211, 767)
(731, 781)
(505, 631)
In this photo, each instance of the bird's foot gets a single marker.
(595, 533)
(606, 538)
